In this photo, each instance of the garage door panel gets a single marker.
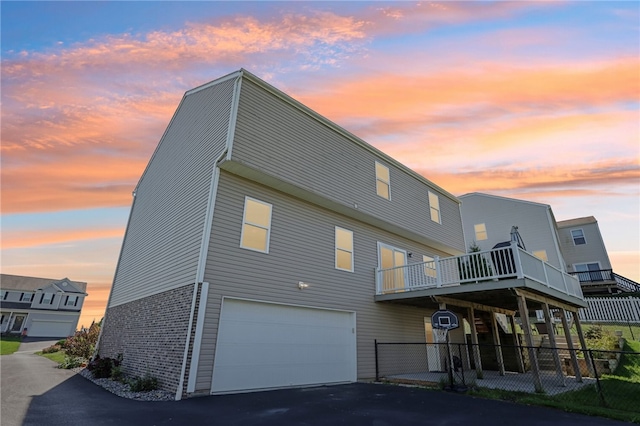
(41, 328)
(264, 345)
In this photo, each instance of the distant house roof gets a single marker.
(577, 222)
(17, 282)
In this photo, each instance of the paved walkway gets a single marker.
(34, 392)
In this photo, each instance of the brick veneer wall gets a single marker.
(150, 333)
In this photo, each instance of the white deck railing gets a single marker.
(482, 266)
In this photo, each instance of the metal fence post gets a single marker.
(598, 386)
(375, 342)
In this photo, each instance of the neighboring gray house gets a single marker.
(586, 256)
(40, 307)
(268, 247)
(487, 220)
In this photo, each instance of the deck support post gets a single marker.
(554, 345)
(496, 342)
(569, 339)
(474, 343)
(583, 343)
(533, 359)
(516, 344)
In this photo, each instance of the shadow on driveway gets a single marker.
(60, 397)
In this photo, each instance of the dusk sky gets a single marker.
(532, 100)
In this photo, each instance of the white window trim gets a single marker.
(595, 262)
(244, 221)
(336, 248)
(69, 299)
(584, 237)
(434, 208)
(26, 297)
(484, 230)
(393, 248)
(387, 182)
(46, 301)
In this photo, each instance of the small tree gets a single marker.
(474, 266)
(83, 342)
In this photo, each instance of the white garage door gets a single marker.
(50, 329)
(266, 345)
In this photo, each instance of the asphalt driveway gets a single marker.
(34, 392)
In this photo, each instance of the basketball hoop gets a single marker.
(440, 335)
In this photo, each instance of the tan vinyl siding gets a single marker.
(162, 243)
(283, 141)
(302, 248)
(593, 251)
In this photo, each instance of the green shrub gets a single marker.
(52, 349)
(102, 368)
(71, 362)
(598, 338)
(117, 374)
(83, 342)
(143, 384)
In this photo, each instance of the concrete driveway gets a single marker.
(34, 392)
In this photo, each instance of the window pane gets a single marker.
(434, 202)
(343, 260)
(254, 237)
(398, 258)
(382, 189)
(481, 231)
(344, 239)
(382, 172)
(435, 215)
(257, 213)
(541, 254)
(386, 258)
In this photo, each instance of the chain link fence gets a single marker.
(609, 379)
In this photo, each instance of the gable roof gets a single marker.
(18, 282)
(244, 74)
(577, 222)
(515, 200)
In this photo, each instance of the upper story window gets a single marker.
(541, 254)
(26, 297)
(434, 206)
(256, 225)
(71, 301)
(4, 295)
(382, 181)
(578, 237)
(344, 249)
(481, 231)
(46, 299)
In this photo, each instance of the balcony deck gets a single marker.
(485, 277)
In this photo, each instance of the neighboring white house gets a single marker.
(268, 247)
(40, 307)
(487, 220)
(586, 256)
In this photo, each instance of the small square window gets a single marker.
(26, 297)
(382, 181)
(71, 300)
(434, 206)
(46, 299)
(256, 225)
(578, 237)
(344, 249)
(481, 231)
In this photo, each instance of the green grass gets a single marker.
(57, 357)
(628, 332)
(619, 398)
(9, 345)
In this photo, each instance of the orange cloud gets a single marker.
(21, 238)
